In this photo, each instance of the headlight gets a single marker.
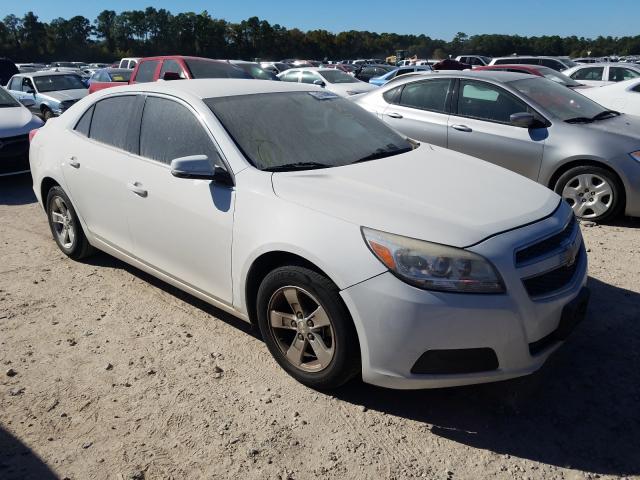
(635, 155)
(432, 266)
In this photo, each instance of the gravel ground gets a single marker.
(106, 373)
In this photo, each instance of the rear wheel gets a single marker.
(65, 226)
(307, 327)
(592, 192)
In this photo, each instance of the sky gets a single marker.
(442, 19)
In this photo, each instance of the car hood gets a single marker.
(624, 125)
(430, 193)
(343, 88)
(16, 121)
(63, 95)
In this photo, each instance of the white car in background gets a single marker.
(16, 121)
(622, 96)
(605, 73)
(333, 80)
(354, 249)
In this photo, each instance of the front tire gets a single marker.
(65, 225)
(307, 327)
(592, 192)
(47, 114)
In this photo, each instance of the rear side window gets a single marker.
(620, 74)
(110, 122)
(589, 73)
(146, 71)
(169, 131)
(173, 67)
(84, 124)
(428, 95)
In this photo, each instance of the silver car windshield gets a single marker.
(314, 129)
(7, 100)
(559, 100)
(551, 74)
(55, 83)
(337, 76)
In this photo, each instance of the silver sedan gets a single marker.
(588, 154)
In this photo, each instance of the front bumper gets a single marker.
(398, 323)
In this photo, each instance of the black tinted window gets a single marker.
(551, 63)
(487, 102)
(429, 95)
(589, 73)
(84, 124)
(212, 69)
(169, 130)
(146, 70)
(110, 122)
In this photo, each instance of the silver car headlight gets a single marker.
(635, 155)
(432, 266)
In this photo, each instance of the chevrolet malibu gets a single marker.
(354, 250)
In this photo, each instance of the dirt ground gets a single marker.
(107, 373)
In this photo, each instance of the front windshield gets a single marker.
(54, 83)
(557, 77)
(558, 100)
(337, 76)
(315, 129)
(7, 100)
(210, 69)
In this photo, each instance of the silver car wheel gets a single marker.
(302, 329)
(589, 195)
(62, 222)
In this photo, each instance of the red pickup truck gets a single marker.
(178, 67)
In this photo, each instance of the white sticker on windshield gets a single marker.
(323, 95)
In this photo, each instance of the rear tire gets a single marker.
(315, 340)
(593, 193)
(65, 225)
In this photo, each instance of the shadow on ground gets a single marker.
(16, 190)
(580, 411)
(19, 462)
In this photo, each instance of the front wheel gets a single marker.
(592, 192)
(307, 327)
(65, 225)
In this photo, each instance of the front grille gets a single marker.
(553, 280)
(547, 246)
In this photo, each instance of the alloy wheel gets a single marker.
(589, 195)
(63, 224)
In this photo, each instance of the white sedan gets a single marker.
(623, 96)
(604, 73)
(333, 80)
(354, 250)
(16, 121)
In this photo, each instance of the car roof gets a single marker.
(499, 77)
(609, 64)
(213, 87)
(530, 56)
(176, 57)
(44, 73)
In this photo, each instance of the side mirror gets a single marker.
(27, 102)
(319, 83)
(171, 76)
(522, 120)
(198, 167)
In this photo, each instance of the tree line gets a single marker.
(154, 31)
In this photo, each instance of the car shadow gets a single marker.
(19, 462)
(16, 190)
(580, 411)
(101, 259)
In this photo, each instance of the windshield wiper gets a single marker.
(605, 114)
(380, 153)
(579, 120)
(296, 166)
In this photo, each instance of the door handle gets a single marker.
(73, 162)
(393, 115)
(137, 189)
(461, 128)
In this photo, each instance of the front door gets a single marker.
(480, 126)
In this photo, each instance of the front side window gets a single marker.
(427, 95)
(27, 85)
(169, 131)
(487, 102)
(7, 100)
(309, 77)
(290, 76)
(110, 122)
(620, 74)
(589, 73)
(173, 67)
(16, 84)
(146, 71)
(315, 129)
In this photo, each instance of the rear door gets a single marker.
(96, 166)
(420, 110)
(479, 126)
(180, 227)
